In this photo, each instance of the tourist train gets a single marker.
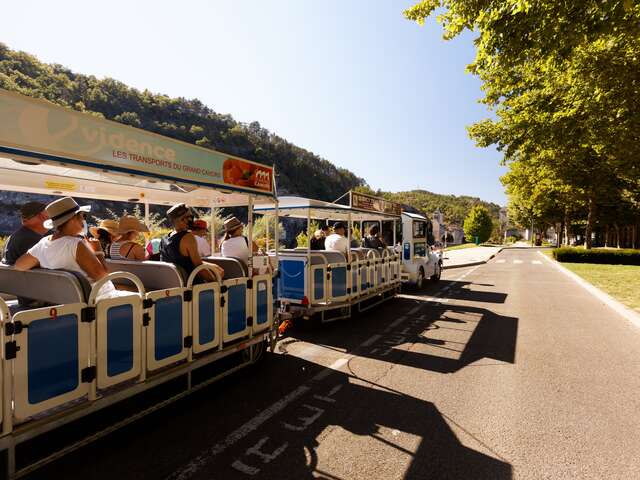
(77, 353)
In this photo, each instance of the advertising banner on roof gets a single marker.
(362, 201)
(32, 126)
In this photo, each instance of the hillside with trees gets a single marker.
(299, 171)
(455, 208)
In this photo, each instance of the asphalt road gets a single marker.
(504, 370)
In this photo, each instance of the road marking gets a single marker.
(371, 340)
(201, 460)
(536, 262)
(502, 260)
(517, 261)
(337, 365)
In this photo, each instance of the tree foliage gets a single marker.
(299, 171)
(478, 224)
(563, 81)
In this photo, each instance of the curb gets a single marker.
(471, 264)
(629, 314)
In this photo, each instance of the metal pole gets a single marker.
(213, 229)
(250, 235)
(349, 239)
(309, 251)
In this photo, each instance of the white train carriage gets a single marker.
(419, 262)
(75, 354)
(329, 284)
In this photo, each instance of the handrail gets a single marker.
(113, 275)
(198, 269)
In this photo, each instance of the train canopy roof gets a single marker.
(48, 149)
(299, 207)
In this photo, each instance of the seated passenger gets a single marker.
(354, 242)
(66, 248)
(153, 249)
(180, 247)
(106, 232)
(200, 231)
(234, 243)
(317, 241)
(373, 240)
(127, 247)
(337, 241)
(33, 216)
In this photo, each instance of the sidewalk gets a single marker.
(469, 256)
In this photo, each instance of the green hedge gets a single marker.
(597, 255)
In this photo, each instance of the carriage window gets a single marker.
(419, 229)
(420, 249)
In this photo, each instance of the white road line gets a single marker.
(201, 460)
(396, 322)
(517, 261)
(371, 340)
(502, 260)
(536, 262)
(337, 365)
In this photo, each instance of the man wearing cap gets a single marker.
(337, 241)
(180, 246)
(199, 229)
(32, 230)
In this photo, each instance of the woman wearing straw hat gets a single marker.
(234, 243)
(67, 248)
(106, 232)
(127, 247)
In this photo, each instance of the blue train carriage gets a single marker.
(326, 284)
(75, 354)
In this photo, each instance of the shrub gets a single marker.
(597, 255)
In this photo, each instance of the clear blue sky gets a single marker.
(350, 80)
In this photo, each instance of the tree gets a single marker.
(563, 80)
(478, 224)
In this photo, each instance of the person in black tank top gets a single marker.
(180, 247)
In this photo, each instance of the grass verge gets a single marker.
(619, 281)
(460, 247)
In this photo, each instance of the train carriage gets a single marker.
(77, 354)
(330, 285)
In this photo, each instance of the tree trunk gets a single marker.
(566, 223)
(590, 219)
(606, 235)
(560, 234)
(617, 230)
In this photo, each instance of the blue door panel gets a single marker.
(168, 327)
(262, 306)
(237, 309)
(318, 284)
(206, 319)
(292, 279)
(52, 357)
(119, 339)
(339, 281)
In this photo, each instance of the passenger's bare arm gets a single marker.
(26, 262)
(90, 263)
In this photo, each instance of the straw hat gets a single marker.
(62, 210)
(129, 223)
(109, 225)
(231, 224)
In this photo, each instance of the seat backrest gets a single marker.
(332, 256)
(357, 254)
(316, 257)
(51, 286)
(153, 275)
(233, 267)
